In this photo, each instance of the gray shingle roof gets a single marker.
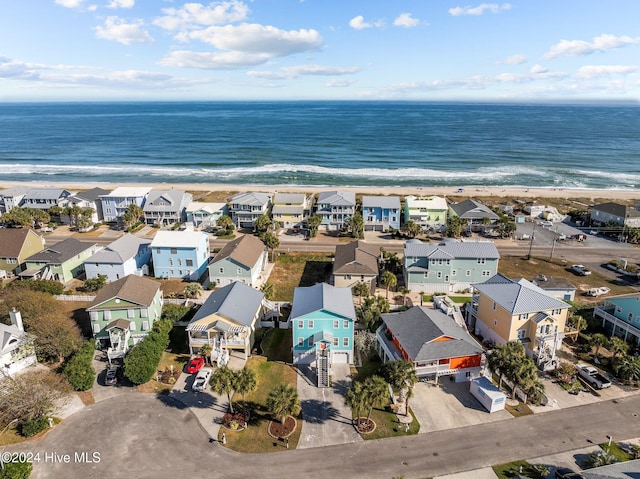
(418, 329)
(554, 283)
(381, 202)
(92, 195)
(617, 209)
(356, 257)
(245, 250)
(452, 249)
(518, 297)
(120, 250)
(236, 301)
(470, 209)
(61, 252)
(337, 198)
(287, 209)
(323, 296)
(288, 198)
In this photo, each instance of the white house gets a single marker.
(17, 351)
(127, 255)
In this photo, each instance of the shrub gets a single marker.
(34, 426)
(94, 284)
(79, 369)
(48, 286)
(16, 470)
(175, 312)
(141, 362)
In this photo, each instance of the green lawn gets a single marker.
(616, 451)
(276, 345)
(255, 439)
(511, 469)
(387, 425)
(298, 269)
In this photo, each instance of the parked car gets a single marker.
(195, 365)
(112, 376)
(202, 379)
(580, 270)
(546, 223)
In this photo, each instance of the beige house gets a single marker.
(355, 262)
(16, 245)
(505, 310)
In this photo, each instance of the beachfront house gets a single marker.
(449, 266)
(247, 207)
(290, 210)
(89, 199)
(356, 262)
(166, 207)
(621, 215)
(205, 215)
(180, 254)
(12, 197)
(477, 216)
(123, 313)
(336, 209)
(620, 317)
(227, 321)
(127, 255)
(430, 212)
(16, 245)
(242, 259)
(62, 262)
(381, 213)
(45, 198)
(115, 203)
(505, 310)
(17, 350)
(322, 319)
(432, 341)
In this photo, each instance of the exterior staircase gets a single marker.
(323, 369)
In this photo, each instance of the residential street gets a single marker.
(148, 436)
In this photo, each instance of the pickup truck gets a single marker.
(592, 376)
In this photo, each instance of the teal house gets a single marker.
(450, 266)
(123, 313)
(620, 316)
(61, 262)
(322, 319)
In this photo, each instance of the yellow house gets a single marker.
(16, 245)
(290, 210)
(505, 310)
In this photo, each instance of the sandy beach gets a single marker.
(468, 191)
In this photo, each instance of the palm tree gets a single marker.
(356, 225)
(271, 241)
(390, 281)
(376, 393)
(245, 382)
(205, 351)
(600, 458)
(223, 381)
(400, 374)
(355, 398)
(193, 290)
(598, 341)
(404, 291)
(360, 289)
(132, 214)
(314, 223)
(283, 401)
(224, 222)
(269, 290)
(617, 346)
(262, 223)
(535, 391)
(413, 229)
(628, 368)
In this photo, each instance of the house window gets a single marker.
(345, 324)
(336, 324)
(11, 261)
(453, 272)
(336, 341)
(132, 326)
(481, 260)
(107, 314)
(221, 270)
(170, 261)
(145, 325)
(300, 324)
(426, 274)
(300, 341)
(93, 315)
(239, 271)
(345, 342)
(144, 313)
(96, 328)
(158, 250)
(130, 313)
(468, 273)
(310, 341)
(189, 262)
(495, 322)
(523, 316)
(310, 324)
(556, 311)
(174, 250)
(439, 274)
(494, 306)
(179, 261)
(486, 273)
(630, 317)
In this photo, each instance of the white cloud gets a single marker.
(120, 31)
(70, 3)
(213, 60)
(480, 9)
(286, 73)
(121, 4)
(339, 83)
(256, 39)
(601, 43)
(537, 69)
(594, 71)
(513, 60)
(406, 20)
(358, 23)
(191, 15)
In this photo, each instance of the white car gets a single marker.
(547, 224)
(201, 380)
(580, 269)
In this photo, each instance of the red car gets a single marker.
(195, 364)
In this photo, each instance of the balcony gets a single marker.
(607, 317)
(387, 345)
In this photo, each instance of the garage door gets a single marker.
(340, 358)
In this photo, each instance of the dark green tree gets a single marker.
(95, 284)
(79, 369)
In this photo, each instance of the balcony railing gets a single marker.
(617, 322)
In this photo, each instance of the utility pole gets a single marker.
(553, 246)
(533, 235)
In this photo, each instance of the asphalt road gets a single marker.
(145, 436)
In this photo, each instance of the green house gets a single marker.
(123, 313)
(60, 262)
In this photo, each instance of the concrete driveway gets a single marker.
(326, 419)
(449, 405)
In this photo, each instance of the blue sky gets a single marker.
(527, 50)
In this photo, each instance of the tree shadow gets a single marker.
(314, 272)
(319, 412)
(184, 399)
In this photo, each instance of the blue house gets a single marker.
(180, 254)
(381, 213)
(620, 316)
(115, 203)
(322, 318)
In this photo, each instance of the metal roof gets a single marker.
(429, 334)
(129, 192)
(323, 296)
(381, 202)
(287, 209)
(120, 250)
(46, 194)
(178, 239)
(337, 198)
(174, 198)
(452, 249)
(236, 302)
(518, 297)
(289, 198)
(208, 207)
(251, 198)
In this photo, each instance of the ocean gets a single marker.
(323, 144)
